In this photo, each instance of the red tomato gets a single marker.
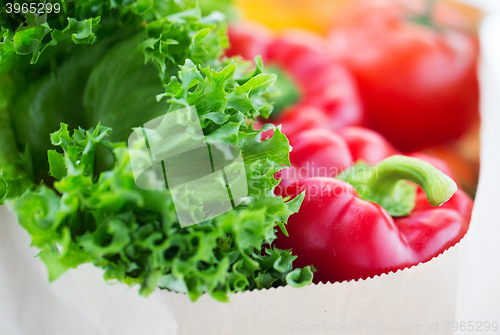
(418, 83)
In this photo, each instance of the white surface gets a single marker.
(479, 280)
(28, 304)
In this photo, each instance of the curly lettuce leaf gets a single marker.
(121, 64)
(133, 234)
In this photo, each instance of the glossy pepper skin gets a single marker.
(301, 118)
(316, 153)
(345, 237)
(325, 85)
(418, 83)
(320, 152)
(367, 145)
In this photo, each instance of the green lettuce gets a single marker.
(72, 90)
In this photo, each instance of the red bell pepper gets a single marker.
(371, 147)
(345, 237)
(324, 84)
(367, 145)
(248, 40)
(301, 118)
(319, 152)
(418, 82)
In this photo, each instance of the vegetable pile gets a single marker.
(102, 69)
(346, 203)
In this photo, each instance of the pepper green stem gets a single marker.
(426, 17)
(437, 186)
